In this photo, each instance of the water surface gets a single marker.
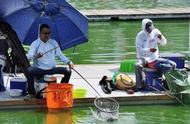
(160, 114)
(112, 42)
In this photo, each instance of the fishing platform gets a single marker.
(131, 14)
(93, 74)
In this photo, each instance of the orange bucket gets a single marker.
(59, 95)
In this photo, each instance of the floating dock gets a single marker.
(129, 14)
(93, 74)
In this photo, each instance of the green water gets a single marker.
(112, 42)
(132, 115)
(125, 4)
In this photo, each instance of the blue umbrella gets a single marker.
(68, 26)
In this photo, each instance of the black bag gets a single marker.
(106, 85)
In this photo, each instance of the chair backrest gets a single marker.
(16, 46)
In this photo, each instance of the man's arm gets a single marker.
(32, 51)
(60, 54)
(64, 58)
(160, 37)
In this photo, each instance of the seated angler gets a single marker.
(43, 52)
(147, 41)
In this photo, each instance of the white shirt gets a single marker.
(145, 41)
(47, 61)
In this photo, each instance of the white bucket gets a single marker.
(59, 77)
(49, 78)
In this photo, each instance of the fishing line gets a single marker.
(86, 81)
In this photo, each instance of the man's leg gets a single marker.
(61, 70)
(165, 65)
(173, 64)
(138, 74)
(33, 72)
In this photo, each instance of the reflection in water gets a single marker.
(64, 117)
(163, 114)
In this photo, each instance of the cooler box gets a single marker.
(178, 58)
(19, 83)
(153, 80)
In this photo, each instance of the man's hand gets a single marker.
(159, 36)
(38, 55)
(153, 50)
(71, 65)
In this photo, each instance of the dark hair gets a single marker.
(42, 26)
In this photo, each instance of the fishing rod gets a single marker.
(47, 51)
(50, 50)
(86, 81)
(168, 94)
(172, 95)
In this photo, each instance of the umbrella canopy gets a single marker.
(68, 26)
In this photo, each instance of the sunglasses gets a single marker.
(46, 33)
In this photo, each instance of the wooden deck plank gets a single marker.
(81, 102)
(93, 74)
(137, 13)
